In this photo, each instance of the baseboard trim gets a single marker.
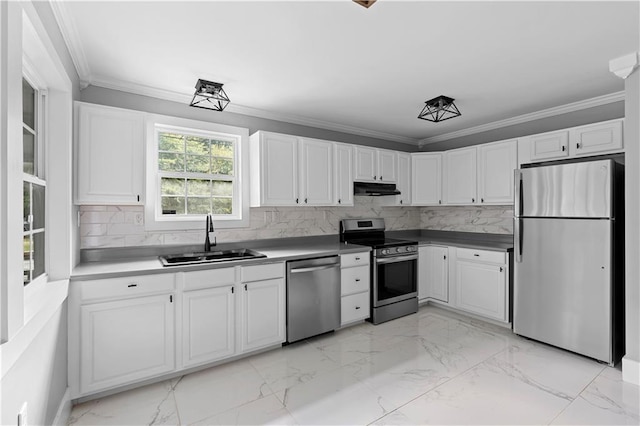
(630, 371)
(64, 410)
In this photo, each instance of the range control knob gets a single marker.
(385, 251)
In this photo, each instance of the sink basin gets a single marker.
(209, 257)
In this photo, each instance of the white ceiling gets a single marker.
(335, 64)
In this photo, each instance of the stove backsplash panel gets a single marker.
(486, 219)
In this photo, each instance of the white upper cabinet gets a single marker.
(274, 169)
(404, 180)
(343, 161)
(426, 179)
(375, 165)
(109, 155)
(496, 163)
(460, 176)
(548, 146)
(596, 138)
(316, 172)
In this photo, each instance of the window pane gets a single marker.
(199, 187)
(198, 205)
(172, 205)
(222, 149)
(222, 166)
(26, 206)
(172, 186)
(170, 142)
(198, 146)
(222, 206)
(38, 255)
(28, 152)
(28, 104)
(27, 265)
(171, 162)
(38, 195)
(198, 164)
(222, 187)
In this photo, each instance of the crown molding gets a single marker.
(545, 113)
(624, 66)
(72, 40)
(170, 95)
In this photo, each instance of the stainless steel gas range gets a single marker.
(394, 268)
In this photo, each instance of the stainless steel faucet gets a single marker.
(208, 229)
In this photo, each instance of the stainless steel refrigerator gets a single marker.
(569, 257)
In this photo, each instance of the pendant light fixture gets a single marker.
(209, 95)
(365, 3)
(439, 109)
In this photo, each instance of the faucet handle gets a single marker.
(209, 223)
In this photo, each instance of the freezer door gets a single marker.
(562, 288)
(567, 190)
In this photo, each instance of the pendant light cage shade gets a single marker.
(439, 109)
(209, 95)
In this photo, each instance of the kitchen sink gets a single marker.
(209, 257)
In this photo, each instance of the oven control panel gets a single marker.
(398, 250)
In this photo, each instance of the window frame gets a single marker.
(154, 219)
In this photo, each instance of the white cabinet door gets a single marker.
(433, 273)
(549, 146)
(481, 288)
(595, 138)
(262, 314)
(366, 164)
(460, 176)
(344, 174)
(126, 341)
(316, 172)
(208, 325)
(354, 307)
(387, 166)
(404, 180)
(278, 170)
(496, 163)
(426, 179)
(110, 155)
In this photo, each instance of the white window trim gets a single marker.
(154, 221)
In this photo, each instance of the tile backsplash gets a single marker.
(120, 226)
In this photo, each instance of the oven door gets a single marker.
(394, 279)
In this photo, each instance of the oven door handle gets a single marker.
(396, 259)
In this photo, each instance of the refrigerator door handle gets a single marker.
(517, 235)
(518, 192)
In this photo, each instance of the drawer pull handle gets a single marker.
(476, 254)
(357, 307)
(357, 258)
(357, 280)
(132, 285)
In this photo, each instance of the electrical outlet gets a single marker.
(139, 219)
(22, 415)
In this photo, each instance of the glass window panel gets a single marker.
(222, 166)
(28, 152)
(222, 206)
(172, 205)
(28, 104)
(171, 162)
(223, 187)
(222, 149)
(170, 142)
(198, 146)
(198, 205)
(26, 206)
(38, 254)
(38, 204)
(27, 264)
(198, 164)
(199, 187)
(172, 186)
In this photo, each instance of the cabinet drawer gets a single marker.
(354, 307)
(354, 259)
(262, 272)
(197, 280)
(127, 286)
(482, 255)
(354, 280)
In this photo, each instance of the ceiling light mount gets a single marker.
(365, 3)
(209, 95)
(439, 109)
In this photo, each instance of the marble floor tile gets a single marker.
(265, 411)
(149, 405)
(356, 346)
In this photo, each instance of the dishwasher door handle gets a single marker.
(314, 268)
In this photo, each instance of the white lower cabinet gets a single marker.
(355, 282)
(125, 341)
(433, 273)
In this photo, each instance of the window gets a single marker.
(34, 185)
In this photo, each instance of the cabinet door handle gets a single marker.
(400, 201)
(380, 177)
(445, 257)
(482, 200)
(501, 269)
(170, 298)
(232, 290)
(357, 280)
(305, 201)
(339, 201)
(132, 285)
(439, 201)
(357, 307)
(138, 198)
(374, 178)
(296, 201)
(578, 145)
(473, 200)
(245, 287)
(564, 148)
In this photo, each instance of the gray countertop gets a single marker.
(128, 261)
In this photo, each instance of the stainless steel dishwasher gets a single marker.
(313, 297)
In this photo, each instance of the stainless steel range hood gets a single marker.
(374, 189)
